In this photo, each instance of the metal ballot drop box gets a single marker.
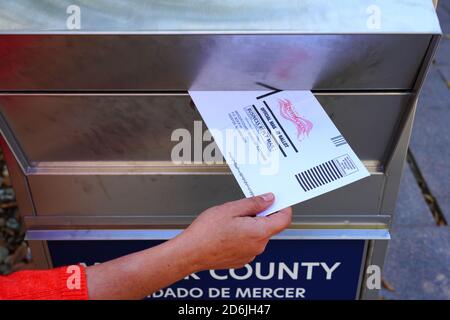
(91, 92)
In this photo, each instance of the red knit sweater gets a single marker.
(65, 283)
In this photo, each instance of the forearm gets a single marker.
(222, 237)
(136, 275)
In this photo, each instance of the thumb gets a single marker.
(249, 206)
(276, 222)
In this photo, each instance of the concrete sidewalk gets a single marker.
(418, 261)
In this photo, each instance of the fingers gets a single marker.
(277, 222)
(249, 206)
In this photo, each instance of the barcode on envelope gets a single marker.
(326, 172)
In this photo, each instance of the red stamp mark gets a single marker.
(288, 112)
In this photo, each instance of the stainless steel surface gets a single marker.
(304, 221)
(131, 128)
(396, 163)
(191, 16)
(210, 62)
(155, 234)
(362, 269)
(178, 195)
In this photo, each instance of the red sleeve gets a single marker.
(64, 283)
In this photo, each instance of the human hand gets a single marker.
(229, 235)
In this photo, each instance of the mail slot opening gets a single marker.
(141, 127)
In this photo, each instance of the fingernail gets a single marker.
(267, 197)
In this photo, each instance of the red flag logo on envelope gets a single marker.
(287, 110)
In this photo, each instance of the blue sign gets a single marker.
(288, 269)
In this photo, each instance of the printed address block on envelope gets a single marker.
(281, 142)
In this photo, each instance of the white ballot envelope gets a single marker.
(281, 142)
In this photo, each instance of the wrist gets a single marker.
(188, 257)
